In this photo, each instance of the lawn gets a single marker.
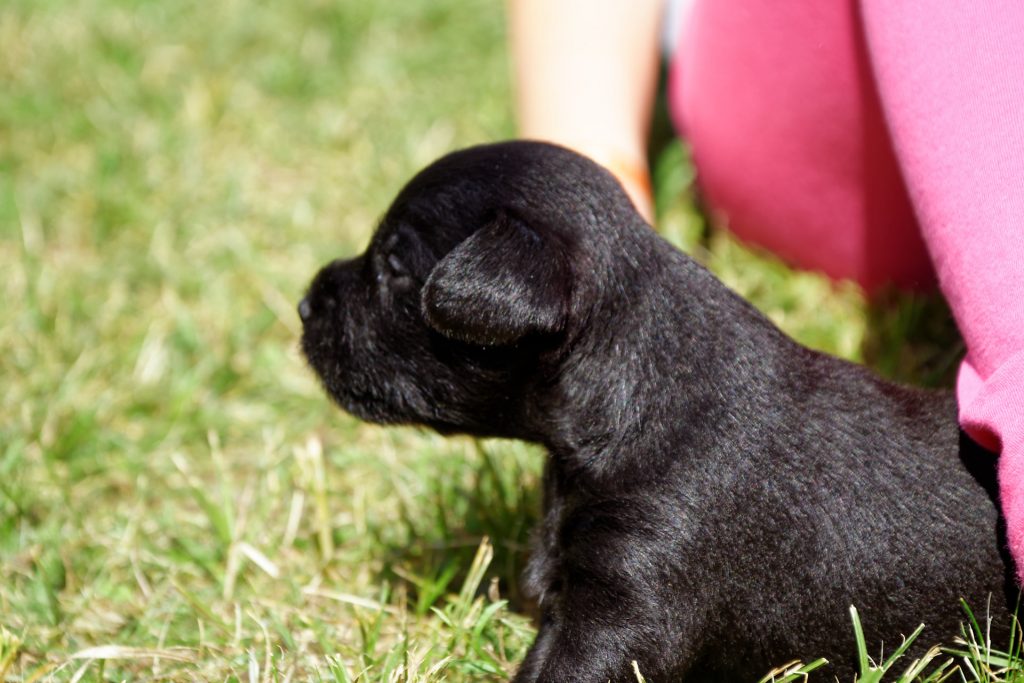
(178, 500)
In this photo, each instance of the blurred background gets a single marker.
(178, 500)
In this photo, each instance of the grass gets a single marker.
(178, 501)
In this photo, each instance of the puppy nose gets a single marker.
(305, 310)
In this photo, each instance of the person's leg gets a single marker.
(778, 104)
(951, 80)
(585, 75)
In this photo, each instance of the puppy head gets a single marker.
(467, 285)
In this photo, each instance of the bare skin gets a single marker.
(585, 75)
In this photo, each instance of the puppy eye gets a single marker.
(392, 271)
(396, 267)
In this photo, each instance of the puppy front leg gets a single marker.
(529, 670)
(557, 658)
(593, 649)
(598, 626)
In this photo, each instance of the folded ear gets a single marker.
(502, 283)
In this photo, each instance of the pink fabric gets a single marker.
(778, 104)
(812, 123)
(952, 82)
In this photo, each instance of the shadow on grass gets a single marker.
(912, 339)
(495, 493)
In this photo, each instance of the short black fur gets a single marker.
(716, 495)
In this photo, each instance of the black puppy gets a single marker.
(716, 495)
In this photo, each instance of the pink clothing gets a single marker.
(875, 140)
(778, 104)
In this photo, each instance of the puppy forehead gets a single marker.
(433, 223)
(458, 194)
(395, 236)
(465, 186)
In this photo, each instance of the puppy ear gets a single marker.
(503, 282)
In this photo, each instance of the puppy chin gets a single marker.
(368, 409)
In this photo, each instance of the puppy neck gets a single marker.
(665, 347)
